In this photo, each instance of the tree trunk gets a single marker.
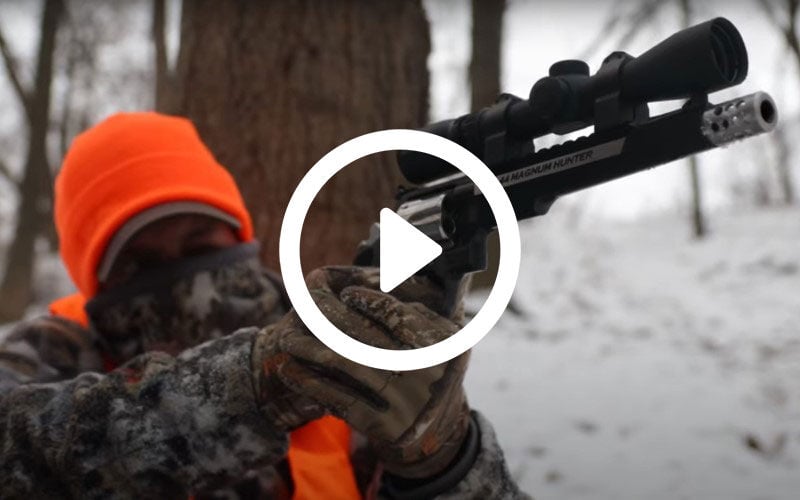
(273, 86)
(784, 165)
(487, 38)
(699, 228)
(162, 74)
(35, 208)
(484, 76)
(783, 15)
(784, 161)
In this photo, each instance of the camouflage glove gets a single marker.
(48, 348)
(415, 421)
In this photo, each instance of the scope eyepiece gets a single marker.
(702, 59)
(729, 51)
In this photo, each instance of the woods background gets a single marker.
(652, 348)
(273, 86)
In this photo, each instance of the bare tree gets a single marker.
(699, 227)
(34, 210)
(783, 15)
(784, 165)
(487, 37)
(631, 22)
(484, 77)
(273, 86)
(163, 76)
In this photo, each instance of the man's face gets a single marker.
(178, 282)
(169, 239)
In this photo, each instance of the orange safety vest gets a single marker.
(319, 452)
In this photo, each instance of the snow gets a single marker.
(649, 365)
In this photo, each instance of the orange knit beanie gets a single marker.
(127, 164)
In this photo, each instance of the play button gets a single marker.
(404, 250)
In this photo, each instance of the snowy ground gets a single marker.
(650, 366)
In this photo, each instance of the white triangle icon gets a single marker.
(404, 250)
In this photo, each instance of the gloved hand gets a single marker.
(415, 421)
(49, 348)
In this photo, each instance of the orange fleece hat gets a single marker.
(127, 164)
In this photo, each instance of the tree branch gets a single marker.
(635, 22)
(789, 29)
(609, 26)
(10, 64)
(769, 9)
(775, 17)
(641, 17)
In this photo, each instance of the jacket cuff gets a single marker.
(400, 488)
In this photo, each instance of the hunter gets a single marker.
(179, 369)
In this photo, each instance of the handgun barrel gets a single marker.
(589, 161)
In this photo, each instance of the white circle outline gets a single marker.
(342, 156)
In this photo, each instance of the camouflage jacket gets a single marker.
(164, 427)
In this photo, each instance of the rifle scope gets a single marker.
(693, 62)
